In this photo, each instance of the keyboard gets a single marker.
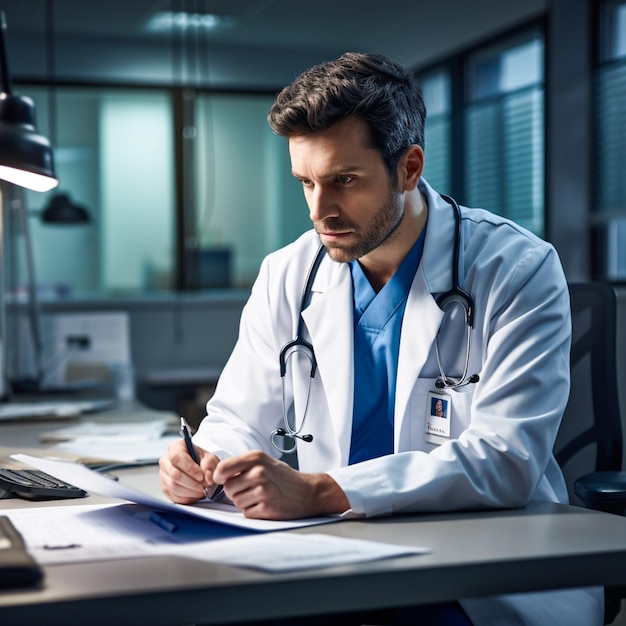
(35, 485)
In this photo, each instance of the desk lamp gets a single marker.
(25, 155)
(25, 160)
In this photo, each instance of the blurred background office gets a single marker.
(177, 188)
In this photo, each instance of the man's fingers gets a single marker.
(176, 480)
(182, 479)
(229, 468)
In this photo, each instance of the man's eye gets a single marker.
(345, 179)
(305, 182)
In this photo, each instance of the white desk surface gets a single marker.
(475, 553)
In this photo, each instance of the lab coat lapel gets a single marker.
(329, 321)
(422, 318)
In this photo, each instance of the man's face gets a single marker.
(352, 202)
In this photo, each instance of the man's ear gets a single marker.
(410, 168)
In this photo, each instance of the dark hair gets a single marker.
(368, 86)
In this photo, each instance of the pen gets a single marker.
(184, 433)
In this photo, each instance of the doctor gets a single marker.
(414, 389)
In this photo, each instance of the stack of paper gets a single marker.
(128, 442)
(61, 409)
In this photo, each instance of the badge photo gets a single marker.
(438, 416)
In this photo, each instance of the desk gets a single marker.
(542, 546)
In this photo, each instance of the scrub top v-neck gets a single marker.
(377, 327)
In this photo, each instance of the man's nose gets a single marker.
(322, 204)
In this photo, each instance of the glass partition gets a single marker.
(248, 203)
(116, 154)
(113, 153)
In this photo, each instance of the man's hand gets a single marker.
(265, 488)
(182, 479)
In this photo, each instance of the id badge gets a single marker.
(438, 417)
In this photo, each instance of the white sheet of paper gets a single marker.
(151, 429)
(134, 442)
(58, 409)
(123, 449)
(93, 482)
(283, 552)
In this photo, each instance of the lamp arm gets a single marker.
(4, 66)
(34, 310)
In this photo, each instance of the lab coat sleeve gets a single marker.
(504, 454)
(246, 406)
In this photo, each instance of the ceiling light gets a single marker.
(165, 21)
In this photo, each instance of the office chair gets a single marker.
(589, 444)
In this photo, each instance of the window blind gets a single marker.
(610, 123)
(437, 153)
(504, 156)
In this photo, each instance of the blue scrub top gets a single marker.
(377, 328)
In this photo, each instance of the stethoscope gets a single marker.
(451, 298)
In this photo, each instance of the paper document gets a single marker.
(63, 534)
(99, 484)
(88, 532)
(284, 552)
(126, 442)
(93, 430)
(119, 449)
(41, 410)
(71, 534)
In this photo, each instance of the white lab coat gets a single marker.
(502, 428)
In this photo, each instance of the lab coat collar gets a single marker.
(439, 243)
(420, 324)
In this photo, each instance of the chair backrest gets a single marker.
(590, 436)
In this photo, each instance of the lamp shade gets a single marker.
(25, 155)
(62, 210)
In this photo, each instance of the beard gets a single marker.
(370, 236)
